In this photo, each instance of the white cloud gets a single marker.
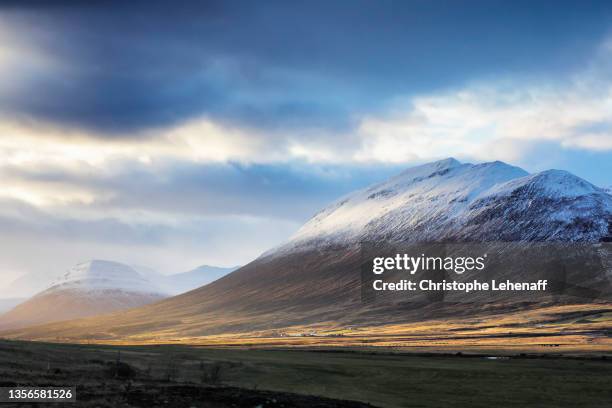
(498, 119)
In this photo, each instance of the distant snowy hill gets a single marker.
(90, 288)
(186, 281)
(99, 275)
(30, 284)
(452, 201)
(317, 277)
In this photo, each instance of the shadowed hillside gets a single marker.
(315, 279)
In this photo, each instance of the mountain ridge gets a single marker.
(181, 282)
(435, 201)
(98, 274)
(315, 277)
(87, 289)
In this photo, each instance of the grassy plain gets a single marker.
(549, 356)
(180, 375)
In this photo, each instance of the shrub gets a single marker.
(120, 369)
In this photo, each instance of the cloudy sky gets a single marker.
(172, 134)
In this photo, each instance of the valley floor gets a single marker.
(182, 376)
(567, 330)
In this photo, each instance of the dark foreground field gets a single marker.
(184, 376)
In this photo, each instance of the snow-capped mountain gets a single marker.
(87, 289)
(185, 281)
(452, 201)
(100, 275)
(317, 276)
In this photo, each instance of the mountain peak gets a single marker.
(449, 200)
(102, 274)
(101, 265)
(90, 288)
(564, 182)
(447, 163)
(549, 183)
(431, 168)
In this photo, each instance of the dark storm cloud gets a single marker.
(135, 65)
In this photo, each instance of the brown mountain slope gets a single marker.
(72, 304)
(87, 289)
(267, 293)
(316, 288)
(315, 279)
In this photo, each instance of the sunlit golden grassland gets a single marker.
(535, 356)
(315, 301)
(565, 329)
(562, 329)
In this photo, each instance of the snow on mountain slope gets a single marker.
(88, 289)
(200, 276)
(184, 281)
(316, 278)
(549, 183)
(98, 275)
(552, 205)
(449, 200)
